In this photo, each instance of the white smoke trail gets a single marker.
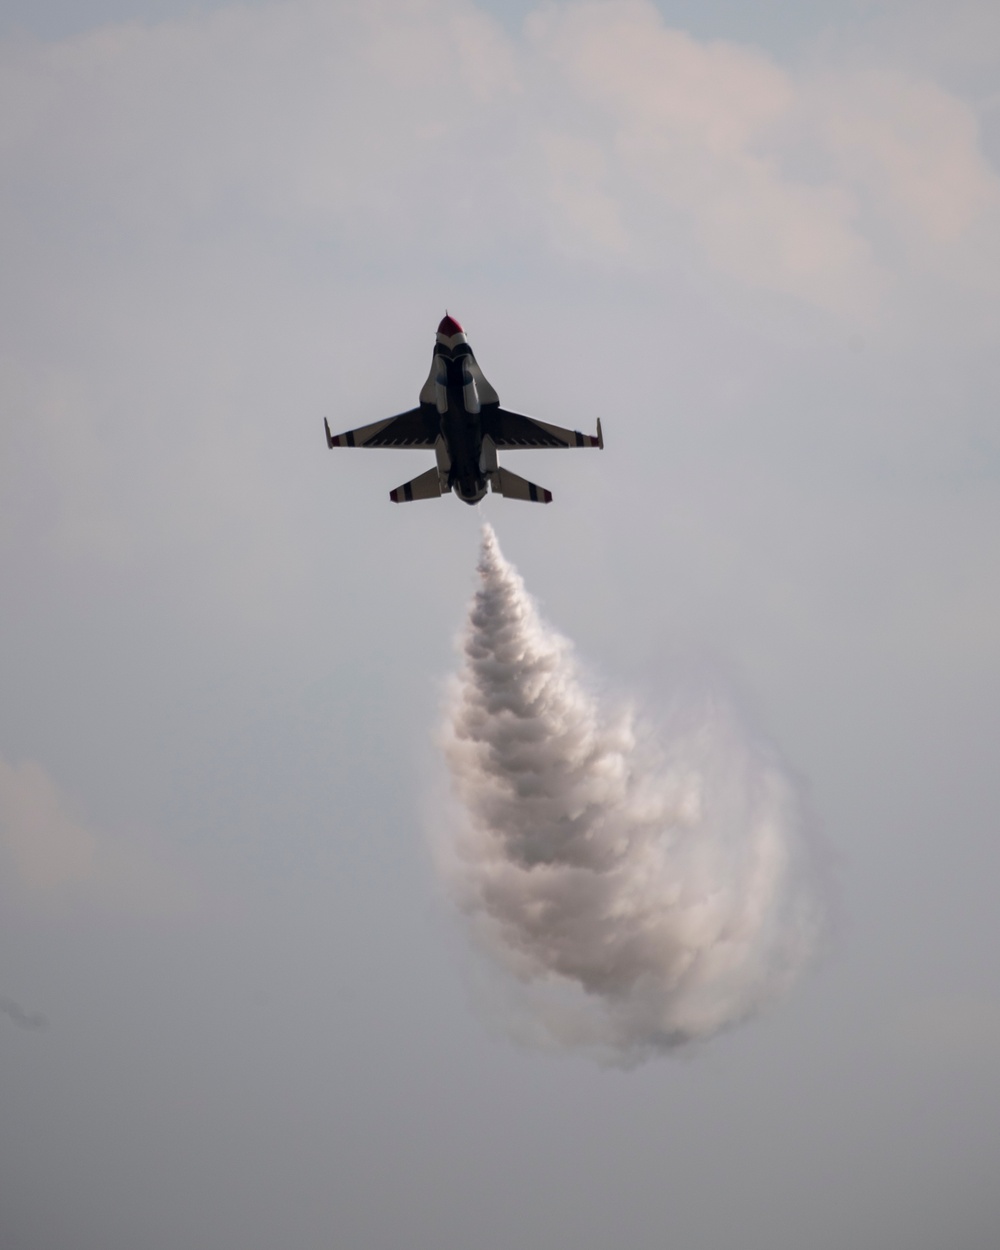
(647, 890)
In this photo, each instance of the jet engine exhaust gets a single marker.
(645, 889)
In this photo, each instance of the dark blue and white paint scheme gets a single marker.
(461, 421)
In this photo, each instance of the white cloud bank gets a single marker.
(601, 134)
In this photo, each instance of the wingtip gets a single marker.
(329, 436)
(600, 435)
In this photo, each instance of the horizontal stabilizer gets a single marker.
(513, 487)
(426, 486)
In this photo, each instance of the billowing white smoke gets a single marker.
(646, 889)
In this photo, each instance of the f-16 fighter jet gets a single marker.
(461, 421)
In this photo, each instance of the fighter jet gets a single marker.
(461, 421)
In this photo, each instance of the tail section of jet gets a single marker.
(513, 487)
(426, 486)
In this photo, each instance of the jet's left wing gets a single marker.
(510, 430)
(416, 428)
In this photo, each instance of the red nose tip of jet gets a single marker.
(449, 326)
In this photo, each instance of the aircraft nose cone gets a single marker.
(449, 326)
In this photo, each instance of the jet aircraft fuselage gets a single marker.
(461, 422)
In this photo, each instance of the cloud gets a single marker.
(296, 112)
(790, 180)
(602, 133)
(927, 194)
(688, 129)
(49, 849)
(55, 858)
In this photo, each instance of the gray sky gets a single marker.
(766, 255)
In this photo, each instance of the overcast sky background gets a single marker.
(762, 246)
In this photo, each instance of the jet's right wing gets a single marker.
(510, 430)
(416, 428)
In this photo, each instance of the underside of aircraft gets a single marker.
(460, 419)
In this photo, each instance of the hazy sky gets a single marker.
(236, 1007)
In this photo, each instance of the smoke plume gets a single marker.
(647, 889)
